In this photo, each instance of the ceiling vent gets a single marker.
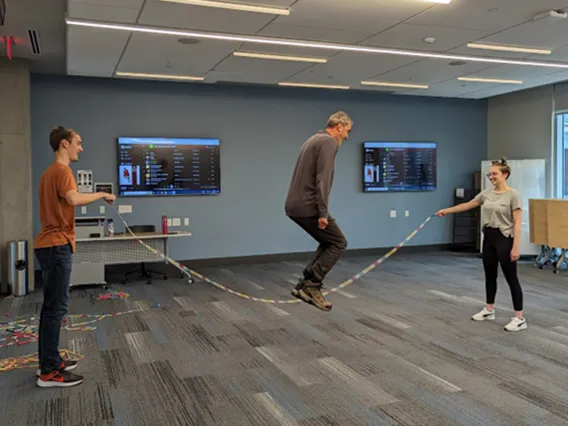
(186, 40)
(34, 41)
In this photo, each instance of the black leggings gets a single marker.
(497, 249)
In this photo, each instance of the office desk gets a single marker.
(93, 254)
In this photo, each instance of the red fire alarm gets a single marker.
(9, 42)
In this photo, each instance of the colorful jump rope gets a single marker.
(23, 332)
(32, 360)
(189, 272)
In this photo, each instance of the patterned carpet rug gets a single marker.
(398, 348)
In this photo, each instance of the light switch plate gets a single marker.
(169, 222)
(393, 213)
(176, 221)
(124, 209)
(84, 210)
(102, 209)
(186, 221)
(407, 213)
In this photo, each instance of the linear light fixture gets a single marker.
(233, 6)
(159, 76)
(308, 44)
(386, 84)
(490, 80)
(280, 57)
(504, 48)
(318, 86)
(438, 1)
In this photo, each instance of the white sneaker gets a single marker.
(483, 315)
(516, 324)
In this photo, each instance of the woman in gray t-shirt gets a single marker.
(501, 207)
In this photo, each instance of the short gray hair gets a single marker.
(339, 117)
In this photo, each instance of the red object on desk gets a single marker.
(164, 225)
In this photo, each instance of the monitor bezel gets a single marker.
(366, 144)
(118, 191)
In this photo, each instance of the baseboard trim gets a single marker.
(280, 257)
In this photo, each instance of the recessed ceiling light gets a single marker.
(158, 76)
(233, 6)
(387, 84)
(504, 48)
(280, 57)
(308, 44)
(311, 85)
(490, 80)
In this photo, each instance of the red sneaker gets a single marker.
(66, 365)
(59, 378)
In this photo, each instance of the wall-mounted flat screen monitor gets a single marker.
(168, 166)
(399, 166)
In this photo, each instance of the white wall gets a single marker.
(520, 126)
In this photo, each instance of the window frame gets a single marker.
(561, 153)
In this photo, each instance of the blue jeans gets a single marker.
(55, 265)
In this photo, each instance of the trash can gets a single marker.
(18, 268)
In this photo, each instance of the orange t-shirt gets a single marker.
(56, 215)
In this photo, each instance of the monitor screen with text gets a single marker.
(168, 166)
(399, 166)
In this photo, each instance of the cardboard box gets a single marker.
(548, 222)
(538, 212)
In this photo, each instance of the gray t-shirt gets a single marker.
(498, 209)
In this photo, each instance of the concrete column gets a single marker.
(15, 163)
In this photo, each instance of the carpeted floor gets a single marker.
(398, 348)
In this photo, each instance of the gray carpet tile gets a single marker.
(398, 348)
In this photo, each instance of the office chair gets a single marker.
(144, 273)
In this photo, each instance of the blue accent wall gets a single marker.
(261, 130)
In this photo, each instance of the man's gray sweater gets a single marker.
(313, 177)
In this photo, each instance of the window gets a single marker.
(562, 155)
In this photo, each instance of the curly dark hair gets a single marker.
(57, 135)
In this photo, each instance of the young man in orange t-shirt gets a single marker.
(54, 246)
